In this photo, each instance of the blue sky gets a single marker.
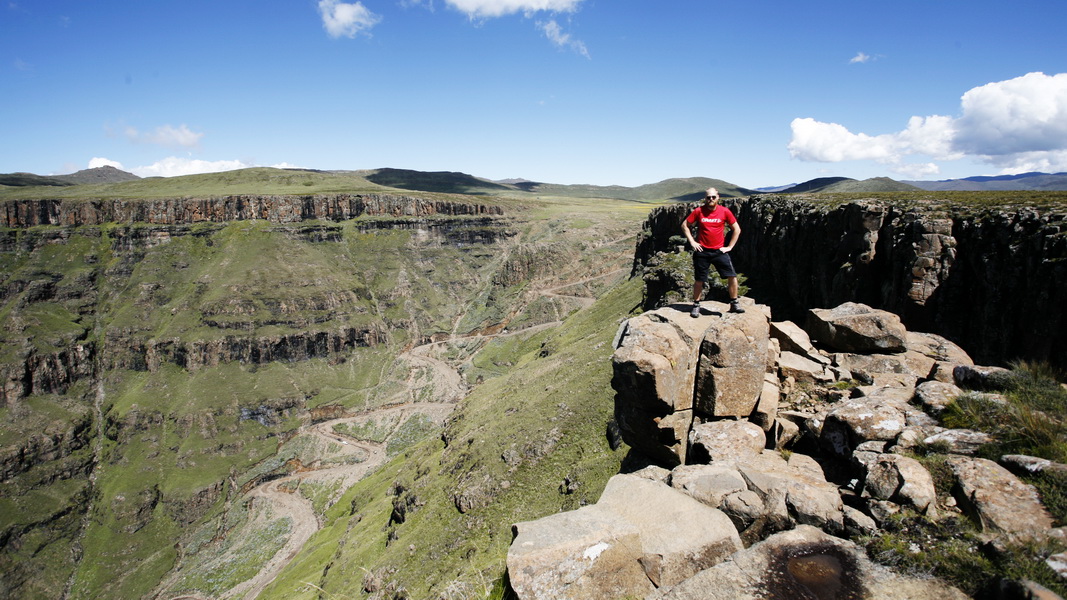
(607, 92)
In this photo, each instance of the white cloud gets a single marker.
(555, 34)
(174, 166)
(860, 57)
(499, 8)
(346, 20)
(917, 170)
(1024, 114)
(104, 162)
(1017, 125)
(165, 135)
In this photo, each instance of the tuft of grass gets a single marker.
(953, 550)
(1029, 420)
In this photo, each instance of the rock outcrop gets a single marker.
(982, 277)
(276, 209)
(796, 445)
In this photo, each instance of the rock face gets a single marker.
(276, 209)
(702, 399)
(671, 369)
(618, 547)
(955, 272)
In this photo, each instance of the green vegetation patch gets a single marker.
(1029, 420)
(527, 443)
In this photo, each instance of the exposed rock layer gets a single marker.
(991, 279)
(276, 209)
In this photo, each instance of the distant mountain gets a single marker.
(684, 189)
(438, 181)
(679, 189)
(814, 185)
(95, 175)
(848, 185)
(1023, 181)
(29, 179)
(104, 174)
(776, 188)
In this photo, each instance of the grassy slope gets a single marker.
(270, 181)
(555, 388)
(172, 433)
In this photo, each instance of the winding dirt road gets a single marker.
(429, 377)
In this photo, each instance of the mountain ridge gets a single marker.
(678, 189)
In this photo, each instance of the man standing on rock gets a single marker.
(711, 220)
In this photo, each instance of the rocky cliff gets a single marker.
(276, 209)
(756, 428)
(992, 279)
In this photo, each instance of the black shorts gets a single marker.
(702, 262)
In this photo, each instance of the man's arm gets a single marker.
(735, 233)
(689, 236)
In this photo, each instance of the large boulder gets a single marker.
(725, 440)
(733, 359)
(859, 420)
(670, 367)
(655, 362)
(793, 490)
(900, 479)
(680, 536)
(640, 535)
(583, 554)
(855, 327)
(654, 374)
(997, 500)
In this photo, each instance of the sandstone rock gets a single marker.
(725, 440)
(653, 366)
(859, 420)
(784, 433)
(960, 441)
(802, 369)
(663, 437)
(707, 483)
(733, 358)
(974, 377)
(654, 375)
(857, 522)
(654, 473)
(805, 563)
(1020, 463)
(935, 396)
(938, 348)
(864, 366)
(743, 507)
(854, 327)
(793, 338)
(997, 500)
(671, 552)
(900, 479)
(766, 411)
(582, 554)
(797, 486)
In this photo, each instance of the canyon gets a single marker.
(164, 359)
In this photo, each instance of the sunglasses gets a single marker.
(710, 197)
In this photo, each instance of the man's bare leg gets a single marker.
(698, 292)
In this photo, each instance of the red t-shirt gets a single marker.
(711, 225)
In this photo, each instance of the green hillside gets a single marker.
(174, 373)
(271, 181)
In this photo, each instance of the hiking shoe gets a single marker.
(736, 308)
(695, 312)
